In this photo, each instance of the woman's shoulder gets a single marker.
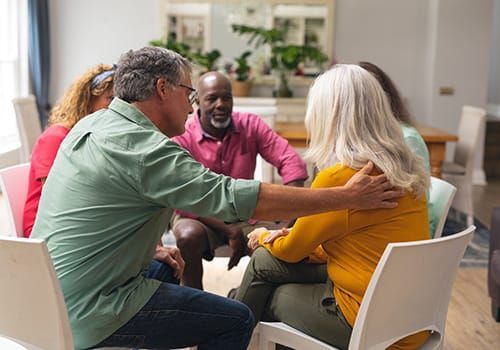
(410, 132)
(52, 134)
(55, 130)
(336, 175)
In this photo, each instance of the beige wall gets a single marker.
(87, 32)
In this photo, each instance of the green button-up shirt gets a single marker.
(106, 202)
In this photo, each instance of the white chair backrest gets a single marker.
(472, 123)
(440, 196)
(28, 124)
(31, 302)
(410, 292)
(14, 185)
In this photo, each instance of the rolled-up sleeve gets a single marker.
(277, 151)
(172, 178)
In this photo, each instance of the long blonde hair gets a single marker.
(349, 120)
(76, 101)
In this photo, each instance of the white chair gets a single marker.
(14, 186)
(28, 124)
(33, 314)
(409, 292)
(440, 196)
(33, 310)
(459, 172)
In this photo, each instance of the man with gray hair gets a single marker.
(112, 188)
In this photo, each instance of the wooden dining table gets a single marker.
(434, 138)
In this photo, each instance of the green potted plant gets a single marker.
(174, 45)
(206, 60)
(284, 57)
(242, 83)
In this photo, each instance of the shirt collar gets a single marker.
(131, 113)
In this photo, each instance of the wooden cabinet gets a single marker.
(492, 149)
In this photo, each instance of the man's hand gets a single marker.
(171, 256)
(371, 192)
(237, 245)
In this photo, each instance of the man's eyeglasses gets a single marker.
(193, 95)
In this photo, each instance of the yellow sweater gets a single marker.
(353, 241)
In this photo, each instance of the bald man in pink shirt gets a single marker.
(227, 143)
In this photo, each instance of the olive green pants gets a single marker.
(295, 294)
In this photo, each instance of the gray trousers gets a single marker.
(295, 294)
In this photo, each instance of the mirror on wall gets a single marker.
(207, 25)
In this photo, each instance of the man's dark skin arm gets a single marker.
(234, 235)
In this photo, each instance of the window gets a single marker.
(13, 67)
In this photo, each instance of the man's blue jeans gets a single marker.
(178, 317)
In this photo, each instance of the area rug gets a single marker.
(476, 254)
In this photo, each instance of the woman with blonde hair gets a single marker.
(88, 93)
(348, 125)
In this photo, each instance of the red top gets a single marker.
(42, 158)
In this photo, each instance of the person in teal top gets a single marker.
(411, 136)
(115, 181)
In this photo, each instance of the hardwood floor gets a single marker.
(469, 324)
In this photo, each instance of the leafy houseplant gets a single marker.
(242, 68)
(242, 83)
(284, 57)
(206, 60)
(174, 45)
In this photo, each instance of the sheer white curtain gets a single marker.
(13, 67)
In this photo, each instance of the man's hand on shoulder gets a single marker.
(365, 191)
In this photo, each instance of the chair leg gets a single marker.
(470, 220)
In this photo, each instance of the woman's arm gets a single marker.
(310, 231)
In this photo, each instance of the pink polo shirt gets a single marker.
(236, 154)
